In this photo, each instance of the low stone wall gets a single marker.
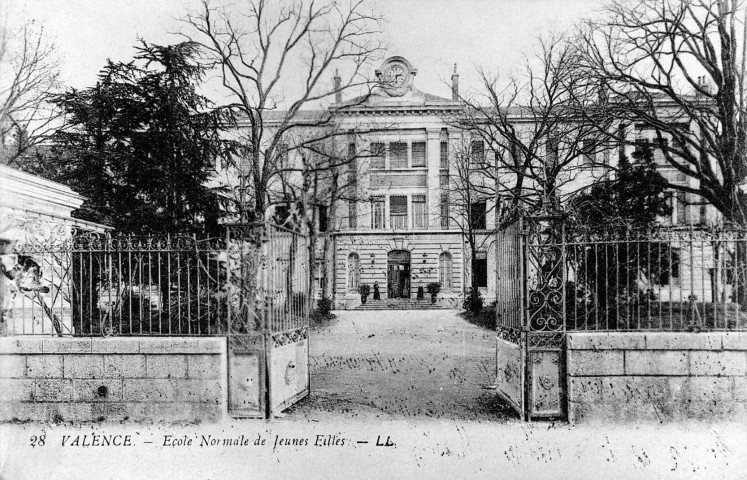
(657, 376)
(112, 379)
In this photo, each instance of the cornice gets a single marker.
(23, 190)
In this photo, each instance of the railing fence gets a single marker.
(97, 284)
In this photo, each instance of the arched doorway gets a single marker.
(398, 278)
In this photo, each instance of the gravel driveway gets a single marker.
(402, 364)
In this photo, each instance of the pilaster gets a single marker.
(433, 161)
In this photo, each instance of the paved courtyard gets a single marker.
(402, 364)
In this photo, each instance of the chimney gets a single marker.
(338, 87)
(455, 84)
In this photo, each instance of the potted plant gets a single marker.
(433, 289)
(364, 289)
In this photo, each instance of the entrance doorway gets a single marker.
(398, 278)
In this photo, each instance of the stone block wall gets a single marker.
(113, 379)
(635, 376)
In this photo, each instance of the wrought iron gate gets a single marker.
(530, 320)
(268, 312)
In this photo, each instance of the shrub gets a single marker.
(433, 288)
(473, 303)
(323, 306)
(364, 289)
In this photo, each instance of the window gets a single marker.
(588, 151)
(354, 272)
(377, 217)
(669, 265)
(323, 219)
(477, 151)
(378, 160)
(552, 152)
(444, 182)
(397, 155)
(703, 213)
(318, 268)
(478, 215)
(641, 144)
(680, 208)
(679, 177)
(398, 212)
(481, 269)
(283, 150)
(419, 213)
(445, 210)
(606, 158)
(515, 153)
(352, 214)
(418, 154)
(353, 165)
(444, 155)
(444, 270)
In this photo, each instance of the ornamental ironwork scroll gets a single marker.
(246, 286)
(544, 274)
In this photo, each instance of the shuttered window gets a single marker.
(352, 214)
(377, 218)
(418, 154)
(477, 151)
(444, 155)
(444, 210)
(398, 205)
(378, 161)
(397, 155)
(478, 215)
(419, 213)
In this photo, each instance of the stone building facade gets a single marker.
(400, 227)
(400, 232)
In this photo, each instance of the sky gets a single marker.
(432, 34)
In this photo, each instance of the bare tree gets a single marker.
(275, 61)
(470, 191)
(319, 184)
(677, 68)
(540, 146)
(28, 79)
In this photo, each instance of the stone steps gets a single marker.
(399, 305)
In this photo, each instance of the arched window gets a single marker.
(354, 272)
(444, 270)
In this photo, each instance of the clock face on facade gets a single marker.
(396, 79)
(397, 75)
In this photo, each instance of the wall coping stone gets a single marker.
(606, 341)
(657, 341)
(16, 345)
(171, 345)
(684, 341)
(116, 345)
(112, 345)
